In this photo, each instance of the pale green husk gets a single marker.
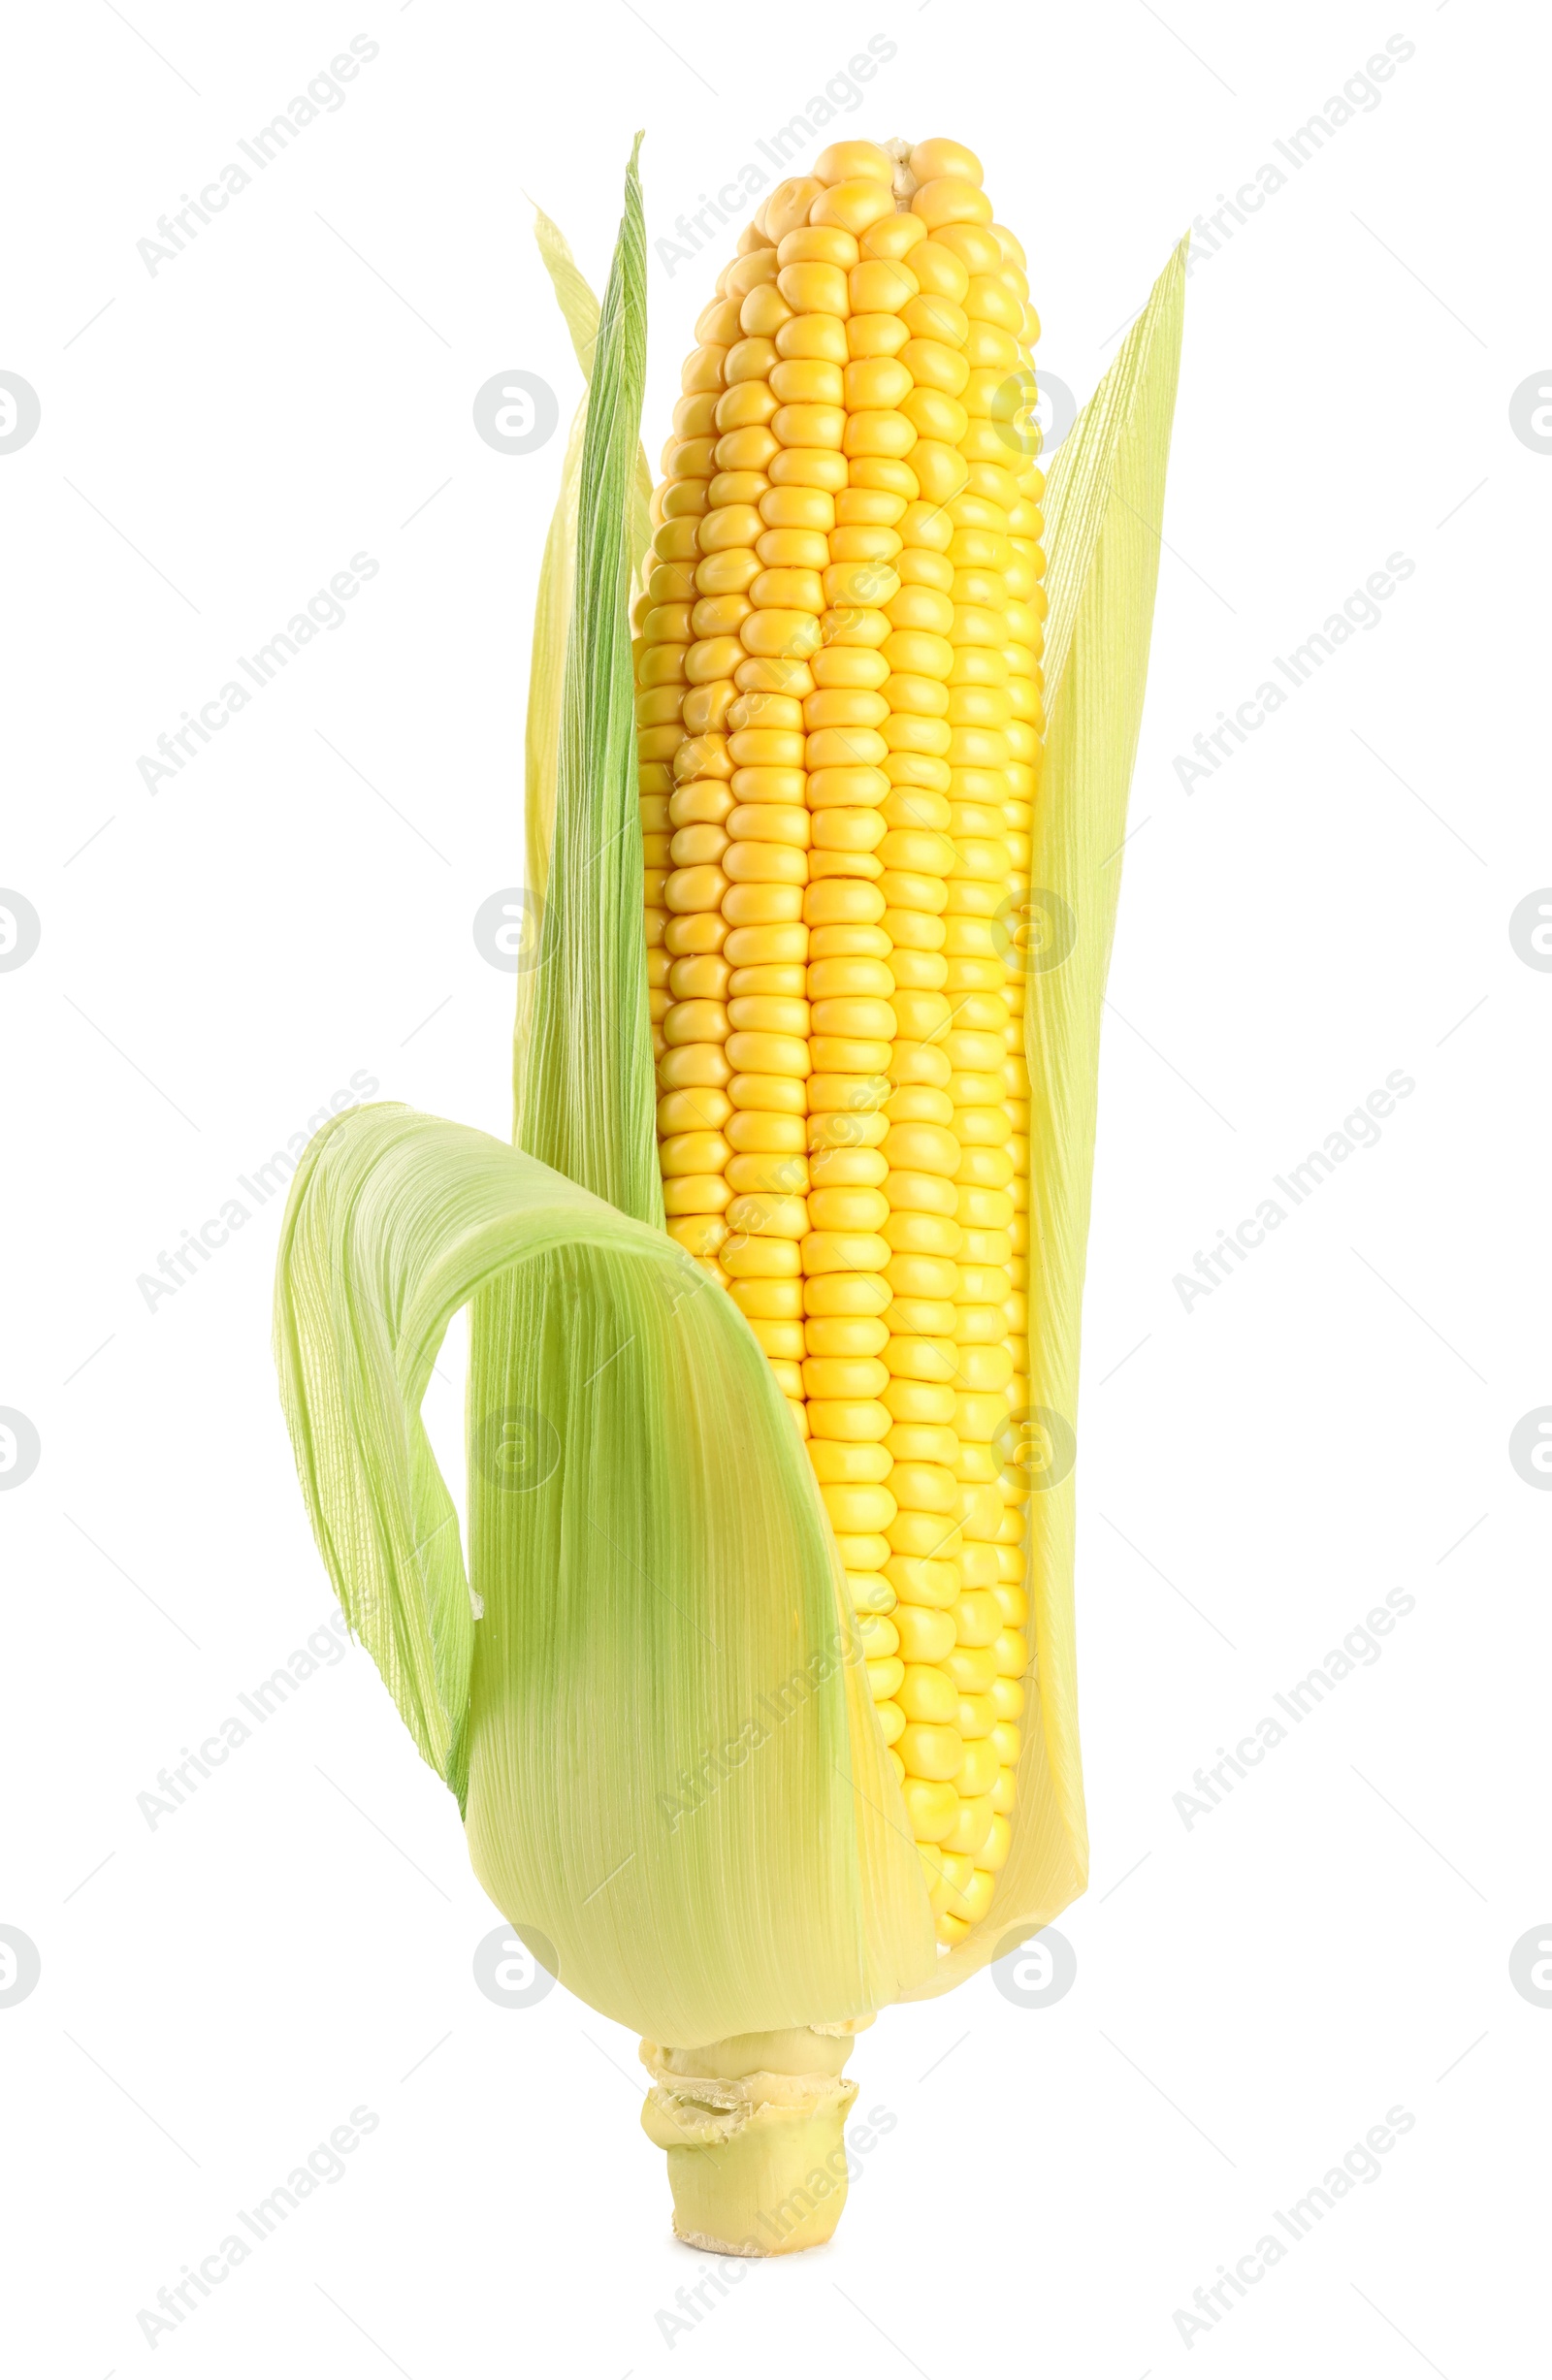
(658, 1583)
(552, 610)
(586, 1093)
(658, 1729)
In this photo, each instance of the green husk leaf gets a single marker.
(660, 1728)
(586, 1087)
(580, 307)
(1104, 505)
(552, 609)
(546, 678)
(572, 291)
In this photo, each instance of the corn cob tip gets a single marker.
(903, 180)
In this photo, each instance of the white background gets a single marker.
(1253, 1992)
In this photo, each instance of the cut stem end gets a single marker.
(754, 2129)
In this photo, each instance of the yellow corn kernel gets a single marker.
(932, 1752)
(974, 1820)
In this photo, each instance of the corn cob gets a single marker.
(645, 1690)
(839, 708)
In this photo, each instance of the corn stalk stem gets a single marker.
(754, 2132)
